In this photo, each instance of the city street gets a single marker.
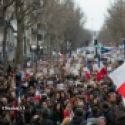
(62, 62)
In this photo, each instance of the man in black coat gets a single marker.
(78, 118)
(46, 118)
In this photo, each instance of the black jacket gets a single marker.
(78, 121)
(46, 117)
(47, 122)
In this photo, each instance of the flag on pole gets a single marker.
(87, 73)
(102, 72)
(118, 77)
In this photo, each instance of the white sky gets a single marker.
(95, 11)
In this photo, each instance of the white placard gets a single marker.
(60, 86)
(51, 72)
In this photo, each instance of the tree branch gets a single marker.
(9, 4)
(29, 25)
(28, 9)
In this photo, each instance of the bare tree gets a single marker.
(64, 22)
(25, 15)
(115, 23)
(6, 17)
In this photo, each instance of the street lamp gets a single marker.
(15, 34)
(33, 49)
(68, 45)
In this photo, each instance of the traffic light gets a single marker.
(96, 49)
(95, 43)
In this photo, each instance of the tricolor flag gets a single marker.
(61, 57)
(102, 72)
(37, 96)
(118, 77)
(87, 73)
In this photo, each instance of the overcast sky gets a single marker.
(95, 11)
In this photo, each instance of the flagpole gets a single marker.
(124, 50)
(99, 55)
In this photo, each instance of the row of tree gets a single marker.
(21, 11)
(65, 23)
(61, 21)
(113, 30)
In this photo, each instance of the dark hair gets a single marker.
(45, 113)
(105, 106)
(94, 123)
(78, 112)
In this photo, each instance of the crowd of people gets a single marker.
(59, 93)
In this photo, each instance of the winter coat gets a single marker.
(47, 122)
(57, 117)
(46, 117)
(78, 121)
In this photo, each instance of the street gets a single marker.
(62, 62)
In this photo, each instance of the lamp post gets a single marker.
(15, 44)
(37, 52)
(124, 49)
(33, 49)
(69, 47)
(97, 55)
(96, 48)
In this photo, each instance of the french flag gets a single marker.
(37, 96)
(87, 73)
(118, 77)
(26, 76)
(102, 72)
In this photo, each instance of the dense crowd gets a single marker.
(59, 93)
